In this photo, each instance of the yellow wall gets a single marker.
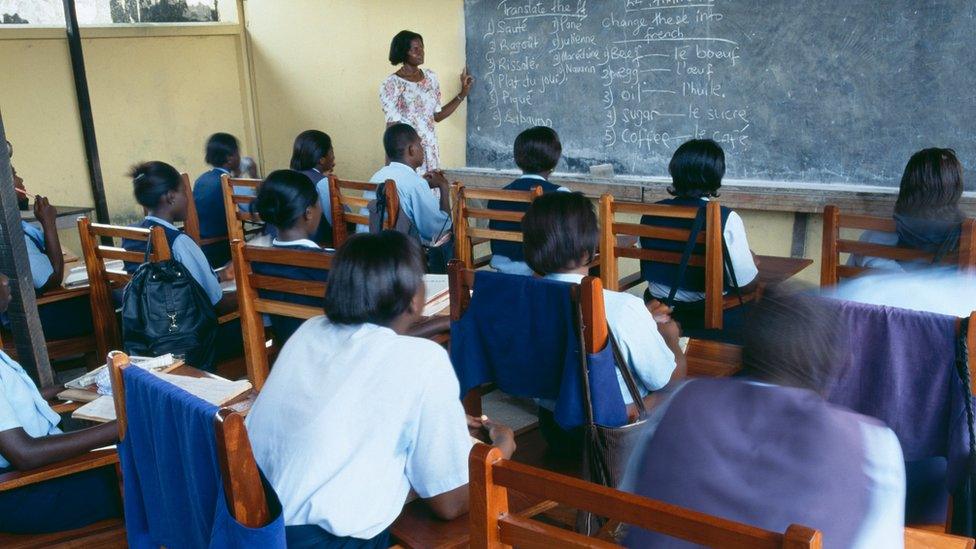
(156, 93)
(319, 64)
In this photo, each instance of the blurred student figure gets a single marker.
(560, 237)
(60, 319)
(764, 448)
(314, 156)
(158, 188)
(30, 438)
(697, 168)
(287, 201)
(941, 290)
(537, 151)
(355, 412)
(927, 215)
(224, 156)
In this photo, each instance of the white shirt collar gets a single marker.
(401, 166)
(223, 170)
(162, 222)
(533, 176)
(301, 242)
(565, 277)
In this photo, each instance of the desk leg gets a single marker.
(799, 242)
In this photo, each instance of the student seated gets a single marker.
(766, 449)
(697, 168)
(61, 319)
(159, 189)
(927, 214)
(355, 413)
(314, 156)
(537, 151)
(30, 438)
(560, 238)
(288, 202)
(430, 216)
(223, 153)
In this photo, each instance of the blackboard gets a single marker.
(814, 91)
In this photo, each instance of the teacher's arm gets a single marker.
(448, 109)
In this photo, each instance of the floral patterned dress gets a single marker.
(415, 103)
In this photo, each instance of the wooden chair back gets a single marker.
(237, 205)
(492, 526)
(832, 272)
(191, 226)
(596, 332)
(239, 472)
(465, 213)
(341, 200)
(102, 281)
(252, 306)
(710, 237)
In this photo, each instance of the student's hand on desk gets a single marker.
(44, 212)
(501, 436)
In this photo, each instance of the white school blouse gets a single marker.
(641, 345)
(351, 418)
(21, 404)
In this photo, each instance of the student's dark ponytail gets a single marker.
(283, 198)
(152, 180)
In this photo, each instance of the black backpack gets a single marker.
(164, 310)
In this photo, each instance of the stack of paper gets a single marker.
(215, 390)
(438, 295)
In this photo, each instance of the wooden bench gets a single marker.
(346, 207)
(237, 205)
(467, 236)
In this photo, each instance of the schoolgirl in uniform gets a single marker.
(927, 213)
(224, 155)
(158, 188)
(61, 319)
(355, 413)
(30, 438)
(560, 238)
(314, 156)
(697, 168)
(288, 201)
(537, 151)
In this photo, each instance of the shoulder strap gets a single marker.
(696, 228)
(584, 366)
(727, 259)
(624, 368)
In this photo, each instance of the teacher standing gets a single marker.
(413, 95)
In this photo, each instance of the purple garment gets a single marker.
(762, 455)
(900, 368)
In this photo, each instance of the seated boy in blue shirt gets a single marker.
(30, 438)
(429, 215)
(537, 151)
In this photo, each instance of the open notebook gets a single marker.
(438, 297)
(215, 390)
(78, 276)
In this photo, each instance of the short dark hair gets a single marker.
(310, 146)
(283, 198)
(697, 168)
(397, 138)
(220, 147)
(537, 149)
(793, 339)
(152, 180)
(374, 278)
(931, 185)
(400, 45)
(559, 232)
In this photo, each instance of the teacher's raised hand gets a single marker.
(466, 81)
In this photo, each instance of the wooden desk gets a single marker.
(417, 527)
(774, 269)
(67, 216)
